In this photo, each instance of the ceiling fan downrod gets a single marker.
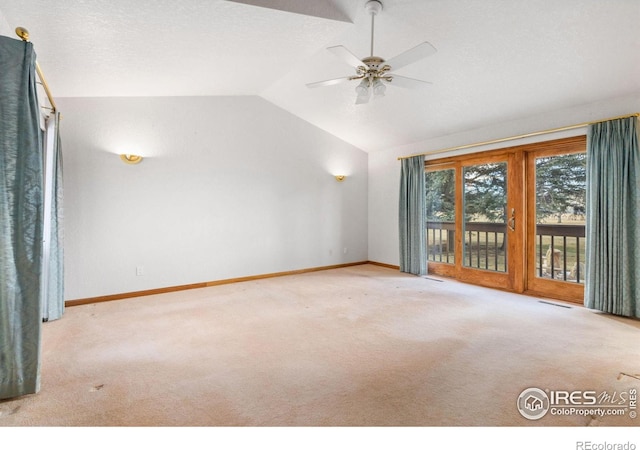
(373, 7)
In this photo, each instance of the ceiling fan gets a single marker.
(374, 72)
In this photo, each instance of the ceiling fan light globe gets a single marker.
(379, 88)
(363, 88)
(360, 90)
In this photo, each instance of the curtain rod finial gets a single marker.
(23, 33)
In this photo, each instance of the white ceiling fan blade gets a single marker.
(408, 83)
(328, 82)
(345, 55)
(412, 55)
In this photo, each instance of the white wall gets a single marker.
(5, 29)
(229, 187)
(384, 167)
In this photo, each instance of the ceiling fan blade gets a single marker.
(328, 82)
(345, 55)
(412, 55)
(408, 83)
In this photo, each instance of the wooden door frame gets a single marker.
(561, 290)
(521, 198)
(502, 280)
(510, 280)
(448, 269)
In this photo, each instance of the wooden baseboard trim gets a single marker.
(388, 266)
(125, 295)
(184, 287)
(283, 274)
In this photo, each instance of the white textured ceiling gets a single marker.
(497, 60)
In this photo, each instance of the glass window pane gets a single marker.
(485, 226)
(560, 217)
(441, 215)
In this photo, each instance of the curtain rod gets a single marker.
(520, 136)
(23, 33)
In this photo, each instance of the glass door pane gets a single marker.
(560, 217)
(485, 216)
(441, 215)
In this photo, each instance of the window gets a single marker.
(441, 215)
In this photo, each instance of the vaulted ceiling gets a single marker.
(496, 60)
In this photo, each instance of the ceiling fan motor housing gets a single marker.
(373, 62)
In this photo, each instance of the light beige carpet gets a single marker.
(358, 346)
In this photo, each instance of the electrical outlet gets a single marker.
(139, 271)
(345, 251)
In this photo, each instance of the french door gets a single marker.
(556, 209)
(492, 218)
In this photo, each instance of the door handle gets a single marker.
(512, 220)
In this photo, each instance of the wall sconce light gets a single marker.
(340, 177)
(131, 159)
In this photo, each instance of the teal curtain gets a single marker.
(412, 219)
(53, 255)
(613, 218)
(21, 221)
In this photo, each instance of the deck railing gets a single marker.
(560, 252)
(560, 249)
(440, 241)
(485, 246)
